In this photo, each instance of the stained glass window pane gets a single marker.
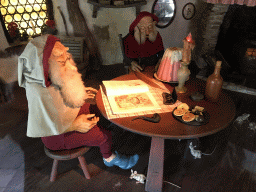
(14, 2)
(8, 18)
(38, 30)
(34, 15)
(17, 17)
(42, 14)
(4, 3)
(22, 2)
(20, 9)
(11, 10)
(26, 16)
(28, 8)
(40, 22)
(30, 31)
(3, 11)
(23, 24)
(44, 7)
(36, 7)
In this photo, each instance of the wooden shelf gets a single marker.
(97, 6)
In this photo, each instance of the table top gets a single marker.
(221, 114)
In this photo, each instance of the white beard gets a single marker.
(70, 84)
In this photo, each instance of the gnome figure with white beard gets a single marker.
(144, 45)
(62, 110)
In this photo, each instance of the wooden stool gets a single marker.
(67, 155)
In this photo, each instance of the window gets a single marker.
(24, 15)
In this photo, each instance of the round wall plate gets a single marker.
(189, 11)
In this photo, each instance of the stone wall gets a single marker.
(214, 21)
(207, 24)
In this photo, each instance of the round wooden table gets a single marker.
(221, 114)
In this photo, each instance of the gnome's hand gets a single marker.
(135, 66)
(83, 123)
(90, 95)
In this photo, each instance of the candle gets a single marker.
(189, 38)
(189, 45)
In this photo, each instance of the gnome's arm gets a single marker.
(90, 97)
(83, 123)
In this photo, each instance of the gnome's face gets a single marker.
(63, 73)
(146, 28)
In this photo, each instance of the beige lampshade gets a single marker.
(170, 63)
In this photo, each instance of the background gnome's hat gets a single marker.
(139, 17)
(33, 62)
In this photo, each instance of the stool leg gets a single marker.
(54, 170)
(84, 167)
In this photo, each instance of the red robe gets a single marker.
(134, 50)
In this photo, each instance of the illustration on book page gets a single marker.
(125, 102)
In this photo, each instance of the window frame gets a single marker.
(171, 19)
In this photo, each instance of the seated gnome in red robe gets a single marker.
(56, 100)
(143, 45)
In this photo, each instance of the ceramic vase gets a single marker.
(214, 84)
(183, 75)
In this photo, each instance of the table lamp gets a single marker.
(169, 65)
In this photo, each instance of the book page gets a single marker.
(156, 93)
(125, 87)
(130, 96)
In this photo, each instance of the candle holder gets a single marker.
(183, 76)
(183, 71)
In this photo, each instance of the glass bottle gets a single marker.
(214, 84)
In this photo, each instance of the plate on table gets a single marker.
(206, 116)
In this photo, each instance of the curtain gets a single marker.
(239, 2)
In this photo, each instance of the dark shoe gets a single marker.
(122, 161)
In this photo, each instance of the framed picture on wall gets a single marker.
(189, 11)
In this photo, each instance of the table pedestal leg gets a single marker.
(156, 165)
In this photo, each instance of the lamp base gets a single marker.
(155, 75)
(181, 89)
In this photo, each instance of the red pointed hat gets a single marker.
(139, 17)
(51, 40)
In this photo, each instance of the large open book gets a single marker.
(129, 96)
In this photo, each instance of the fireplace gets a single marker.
(228, 33)
(237, 34)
